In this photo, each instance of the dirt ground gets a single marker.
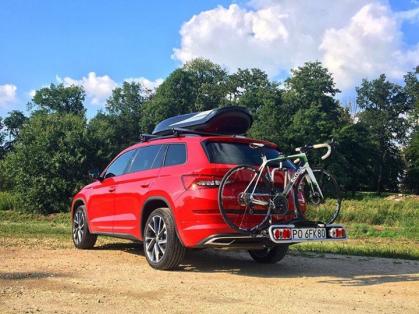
(115, 278)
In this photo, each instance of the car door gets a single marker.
(100, 206)
(132, 186)
(174, 166)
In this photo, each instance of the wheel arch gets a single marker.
(76, 203)
(152, 204)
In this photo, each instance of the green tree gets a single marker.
(14, 122)
(411, 89)
(353, 157)
(199, 85)
(102, 140)
(60, 99)
(2, 139)
(119, 126)
(385, 107)
(251, 88)
(176, 95)
(209, 84)
(312, 112)
(411, 181)
(49, 162)
(124, 108)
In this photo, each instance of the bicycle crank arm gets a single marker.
(259, 202)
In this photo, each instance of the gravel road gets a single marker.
(115, 278)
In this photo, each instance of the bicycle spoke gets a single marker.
(242, 199)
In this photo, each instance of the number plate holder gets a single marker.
(308, 234)
(293, 234)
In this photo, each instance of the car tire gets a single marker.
(82, 238)
(162, 247)
(269, 255)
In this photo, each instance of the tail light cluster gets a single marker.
(337, 233)
(200, 181)
(282, 234)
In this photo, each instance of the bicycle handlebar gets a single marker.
(316, 146)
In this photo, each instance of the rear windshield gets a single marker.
(239, 153)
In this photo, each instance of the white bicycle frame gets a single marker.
(305, 169)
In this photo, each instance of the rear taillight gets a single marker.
(282, 234)
(337, 233)
(200, 181)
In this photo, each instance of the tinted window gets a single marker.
(147, 158)
(158, 161)
(239, 153)
(176, 154)
(119, 165)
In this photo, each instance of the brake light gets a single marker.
(200, 181)
(337, 233)
(282, 234)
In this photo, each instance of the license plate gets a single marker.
(309, 233)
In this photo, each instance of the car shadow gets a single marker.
(332, 269)
(135, 248)
(343, 270)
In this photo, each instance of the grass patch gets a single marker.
(381, 211)
(7, 201)
(385, 226)
(26, 225)
(378, 247)
(377, 226)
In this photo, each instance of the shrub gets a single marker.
(7, 201)
(48, 162)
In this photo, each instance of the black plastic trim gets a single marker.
(119, 235)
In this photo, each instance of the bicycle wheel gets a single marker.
(316, 207)
(242, 210)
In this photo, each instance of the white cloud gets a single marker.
(97, 88)
(7, 94)
(354, 38)
(32, 93)
(151, 85)
(370, 44)
(409, 15)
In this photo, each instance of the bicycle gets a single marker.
(251, 198)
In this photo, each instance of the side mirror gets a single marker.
(95, 174)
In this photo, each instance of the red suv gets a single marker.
(163, 191)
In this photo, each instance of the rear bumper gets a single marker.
(266, 238)
(199, 220)
(235, 241)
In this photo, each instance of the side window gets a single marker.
(176, 155)
(147, 158)
(119, 165)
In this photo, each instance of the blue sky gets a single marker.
(43, 42)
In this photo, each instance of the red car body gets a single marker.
(119, 205)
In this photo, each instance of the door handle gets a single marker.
(111, 189)
(145, 185)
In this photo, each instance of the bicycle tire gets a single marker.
(226, 213)
(321, 214)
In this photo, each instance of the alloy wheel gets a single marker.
(78, 227)
(156, 239)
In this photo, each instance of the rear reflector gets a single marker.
(337, 233)
(282, 234)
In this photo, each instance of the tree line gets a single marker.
(45, 157)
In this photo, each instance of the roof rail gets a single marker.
(144, 137)
(188, 131)
(176, 132)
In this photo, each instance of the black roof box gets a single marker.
(232, 120)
